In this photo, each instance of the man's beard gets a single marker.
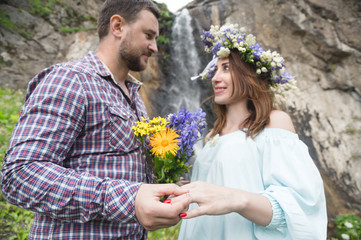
(131, 57)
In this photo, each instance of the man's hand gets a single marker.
(153, 214)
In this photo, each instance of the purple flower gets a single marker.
(207, 34)
(189, 126)
(216, 48)
(257, 51)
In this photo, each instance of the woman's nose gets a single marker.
(215, 77)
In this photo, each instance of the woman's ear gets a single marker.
(116, 26)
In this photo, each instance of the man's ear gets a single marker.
(116, 26)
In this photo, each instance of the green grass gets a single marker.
(14, 222)
(165, 234)
(10, 106)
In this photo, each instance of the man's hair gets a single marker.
(128, 9)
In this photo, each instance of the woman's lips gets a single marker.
(218, 90)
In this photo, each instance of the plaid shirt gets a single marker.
(73, 158)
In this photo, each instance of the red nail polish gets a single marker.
(167, 201)
(182, 215)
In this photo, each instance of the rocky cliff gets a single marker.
(320, 40)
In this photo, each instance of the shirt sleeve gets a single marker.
(33, 176)
(294, 187)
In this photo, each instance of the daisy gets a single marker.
(164, 142)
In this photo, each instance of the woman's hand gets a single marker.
(218, 200)
(212, 199)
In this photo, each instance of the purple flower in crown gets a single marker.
(257, 51)
(206, 37)
(216, 48)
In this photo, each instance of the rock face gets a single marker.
(320, 40)
(32, 38)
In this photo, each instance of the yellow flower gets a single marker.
(141, 128)
(157, 124)
(164, 142)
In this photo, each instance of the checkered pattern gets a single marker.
(73, 158)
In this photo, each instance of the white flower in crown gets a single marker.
(280, 89)
(223, 52)
(204, 75)
(266, 56)
(250, 40)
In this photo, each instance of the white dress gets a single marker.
(276, 164)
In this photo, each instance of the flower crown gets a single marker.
(220, 40)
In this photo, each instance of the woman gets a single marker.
(254, 178)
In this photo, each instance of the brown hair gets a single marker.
(128, 9)
(247, 84)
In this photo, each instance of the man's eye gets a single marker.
(149, 36)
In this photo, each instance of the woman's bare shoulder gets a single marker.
(280, 119)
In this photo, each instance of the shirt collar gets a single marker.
(104, 71)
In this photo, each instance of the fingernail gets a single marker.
(167, 201)
(182, 215)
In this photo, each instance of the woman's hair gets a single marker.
(128, 9)
(252, 86)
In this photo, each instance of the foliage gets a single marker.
(165, 22)
(165, 25)
(70, 24)
(6, 23)
(11, 103)
(165, 233)
(41, 7)
(74, 22)
(163, 40)
(348, 227)
(76, 29)
(14, 222)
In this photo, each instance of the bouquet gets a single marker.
(168, 142)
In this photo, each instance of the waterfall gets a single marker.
(178, 90)
(181, 91)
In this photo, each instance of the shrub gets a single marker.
(348, 227)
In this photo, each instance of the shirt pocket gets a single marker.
(121, 136)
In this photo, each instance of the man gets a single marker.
(73, 158)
